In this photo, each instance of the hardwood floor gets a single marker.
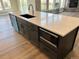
(15, 46)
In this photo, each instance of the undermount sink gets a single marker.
(27, 16)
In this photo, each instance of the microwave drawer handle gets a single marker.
(48, 42)
(49, 33)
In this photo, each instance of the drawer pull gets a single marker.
(48, 42)
(49, 33)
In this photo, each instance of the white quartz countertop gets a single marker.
(55, 23)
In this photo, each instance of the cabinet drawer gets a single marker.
(49, 36)
(49, 52)
(50, 45)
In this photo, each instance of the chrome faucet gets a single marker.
(30, 5)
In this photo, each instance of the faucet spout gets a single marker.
(30, 5)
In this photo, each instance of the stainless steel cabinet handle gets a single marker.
(49, 33)
(48, 42)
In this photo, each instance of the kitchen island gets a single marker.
(54, 34)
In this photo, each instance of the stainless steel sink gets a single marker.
(27, 16)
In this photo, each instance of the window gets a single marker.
(52, 5)
(48, 5)
(5, 4)
(0, 6)
(62, 4)
(43, 5)
(23, 6)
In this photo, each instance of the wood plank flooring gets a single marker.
(15, 46)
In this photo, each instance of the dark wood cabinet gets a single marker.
(52, 44)
(20, 26)
(49, 36)
(33, 33)
(55, 46)
(34, 37)
(28, 30)
(48, 43)
(48, 49)
(14, 22)
(23, 28)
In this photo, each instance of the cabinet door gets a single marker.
(28, 30)
(21, 28)
(47, 50)
(26, 33)
(34, 34)
(14, 22)
(34, 37)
